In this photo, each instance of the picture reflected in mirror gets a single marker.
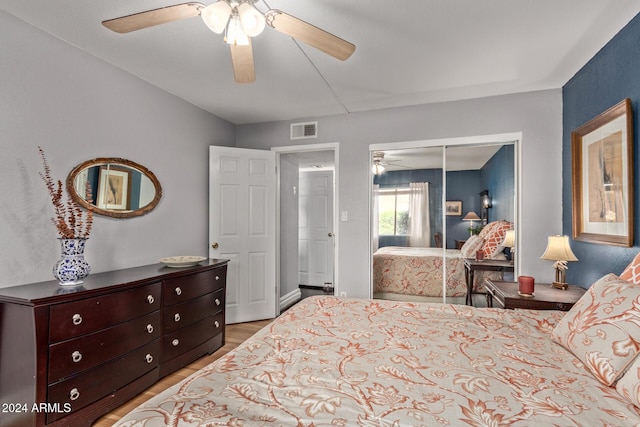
(119, 188)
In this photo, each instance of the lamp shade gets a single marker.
(471, 216)
(216, 15)
(509, 239)
(558, 249)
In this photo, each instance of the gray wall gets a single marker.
(77, 107)
(536, 114)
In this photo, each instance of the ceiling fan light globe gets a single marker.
(216, 16)
(235, 35)
(252, 21)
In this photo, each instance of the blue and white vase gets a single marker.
(72, 267)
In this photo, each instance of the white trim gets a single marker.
(289, 299)
(328, 146)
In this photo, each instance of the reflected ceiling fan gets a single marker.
(379, 163)
(240, 20)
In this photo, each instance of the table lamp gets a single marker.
(558, 250)
(471, 216)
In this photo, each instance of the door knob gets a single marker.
(214, 245)
(330, 234)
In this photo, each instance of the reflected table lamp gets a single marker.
(510, 242)
(471, 216)
(558, 250)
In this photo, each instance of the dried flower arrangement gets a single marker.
(71, 221)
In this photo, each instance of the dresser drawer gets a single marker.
(91, 314)
(71, 357)
(183, 340)
(81, 390)
(175, 291)
(180, 315)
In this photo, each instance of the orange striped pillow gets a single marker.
(492, 245)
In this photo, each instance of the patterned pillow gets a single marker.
(493, 239)
(486, 230)
(473, 244)
(632, 271)
(603, 328)
(629, 385)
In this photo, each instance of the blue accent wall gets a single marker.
(466, 187)
(498, 177)
(612, 75)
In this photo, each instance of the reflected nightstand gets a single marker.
(471, 266)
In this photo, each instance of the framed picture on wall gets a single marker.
(602, 172)
(453, 207)
(114, 185)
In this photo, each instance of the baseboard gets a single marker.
(289, 299)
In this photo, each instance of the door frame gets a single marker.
(330, 146)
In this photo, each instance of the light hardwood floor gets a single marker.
(234, 335)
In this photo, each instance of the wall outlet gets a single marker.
(343, 294)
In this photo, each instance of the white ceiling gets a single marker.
(407, 52)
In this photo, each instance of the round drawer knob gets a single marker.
(175, 342)
(217, 277)
(150, 328)
(176, 317)
(217, 301)
(74, 394)
(150, 299)
(149, 358)
(76, 319)
(178, 291)
(216, 324)
(76, 356)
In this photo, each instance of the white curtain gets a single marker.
(376, 216)
(419, 222)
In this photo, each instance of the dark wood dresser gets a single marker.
(70, 355)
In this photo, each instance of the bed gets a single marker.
(415, 273)
(347, 362)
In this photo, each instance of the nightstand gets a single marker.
(471, 266)
(545, 297)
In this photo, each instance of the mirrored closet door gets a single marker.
(430, 203)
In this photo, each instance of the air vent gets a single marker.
(304, 130)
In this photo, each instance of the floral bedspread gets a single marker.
(356, 362)
(418, 271)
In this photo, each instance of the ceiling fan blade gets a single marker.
(242, 60)
(150, 18)
(310, 34)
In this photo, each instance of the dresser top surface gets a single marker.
(51, 291)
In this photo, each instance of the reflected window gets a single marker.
(393, 213)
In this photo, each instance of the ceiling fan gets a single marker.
(240, 20)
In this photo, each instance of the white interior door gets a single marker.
(315, 228)
(242, 229)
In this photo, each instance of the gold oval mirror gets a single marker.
(118, 188)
